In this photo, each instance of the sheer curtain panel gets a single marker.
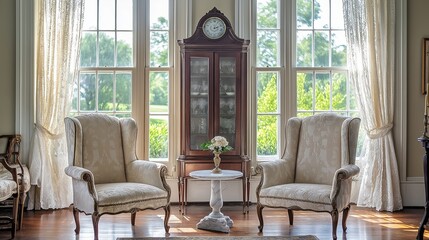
(370, 33)
(59, 24)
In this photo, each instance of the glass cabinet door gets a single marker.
(227, 99)
(199, 101)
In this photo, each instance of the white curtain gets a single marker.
(370, 33)
(59, 28)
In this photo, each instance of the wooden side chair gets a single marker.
(9, 193)
(11, 156)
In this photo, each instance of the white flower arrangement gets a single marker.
(218, 144)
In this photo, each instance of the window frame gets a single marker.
(140, 71)
(288, 71)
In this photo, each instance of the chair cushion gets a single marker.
(5, 174)
(298, 196)
(7, 188)
(117, 197)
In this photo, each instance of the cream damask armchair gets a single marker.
(106, 174)
(315, 172)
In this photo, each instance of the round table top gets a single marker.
(208, 175)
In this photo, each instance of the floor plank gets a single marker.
(362, 223)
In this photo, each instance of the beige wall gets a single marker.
(417, 29)
(201, 7)
(7, 66)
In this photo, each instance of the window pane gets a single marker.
(339, 91)
(304, 14)
(337, 19)
(105, 91)
(268, 50)
(323, 91)
(304, 91)
(107, 15)
(125, 16)
(107, 49)
(158, 137)
(339, 48)
(321, 14)
(304, 48)
(267, 88)
(88, 49)
(124, 50)
(267, 137)
(87, 91)
(158, 48)
(321, 49)
(268, 14)
(159, 14)
(123, 92)
(158, 96)
(90, 19)
(103, 45)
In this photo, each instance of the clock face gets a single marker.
(214, 28)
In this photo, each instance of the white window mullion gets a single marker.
(139, 85)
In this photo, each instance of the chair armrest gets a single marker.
(79, 173)
(152, 173)
(341, 185)
(82, 175)
(347, 172)
(11, 169)
(275, 172)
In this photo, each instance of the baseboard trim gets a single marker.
(413, 192)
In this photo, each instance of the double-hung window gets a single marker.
(299, 67)
(125, 68)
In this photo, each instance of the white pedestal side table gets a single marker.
(216, 221)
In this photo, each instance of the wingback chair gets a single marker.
(107, 177)
(316, 170)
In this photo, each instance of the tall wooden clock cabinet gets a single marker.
(213, 99)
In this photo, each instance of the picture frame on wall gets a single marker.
(425, 65)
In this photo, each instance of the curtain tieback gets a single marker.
(47, 133)
(380, 132)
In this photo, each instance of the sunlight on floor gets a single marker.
(388, 221)
(173, 218)
(182, 230)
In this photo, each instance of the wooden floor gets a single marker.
(362, 224)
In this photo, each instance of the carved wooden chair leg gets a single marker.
(22, 198)
(133, 218)
(290, 214)
(345, 215)
(166, 218)
(14, 214)
(334, 215)
(76, 220)
(259, 208)
(95, 219)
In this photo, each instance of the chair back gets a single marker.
(324, 146)
(95, 143)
